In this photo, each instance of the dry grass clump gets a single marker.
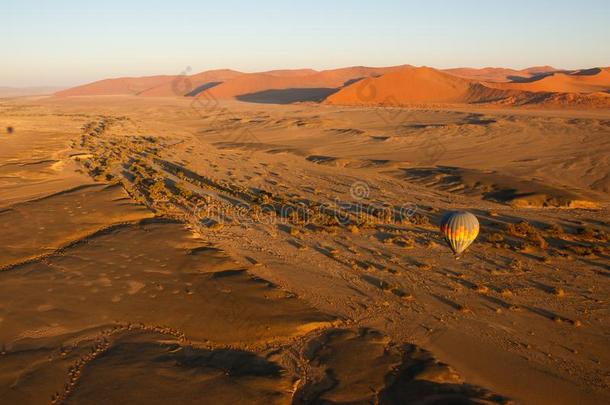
(401, 294)
(587, 251)
(404, 242)
(496, 239)
(158, 190)
(525, 230)
(353, 229)
(588, 232)
(536, 240)
(424, 266)
(419, 219)
(183, 192)
(480, 288)
(516, 265)
(520, 229)
(555, 230)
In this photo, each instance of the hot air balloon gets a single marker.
(460, 229)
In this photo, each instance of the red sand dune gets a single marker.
(582, 81)
(397, 85)
(291, 72)
(329, 79)
(343, 75)
(120, 86)
(256, 82)
(182, 85)
(232, 83)
(229, 88)
(495, 74)
(555, 99)
(414, 85)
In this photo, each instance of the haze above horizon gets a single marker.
(68, 42)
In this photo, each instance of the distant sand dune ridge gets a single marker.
(402, 85)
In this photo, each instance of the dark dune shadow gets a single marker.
(478, 119)
(407, 388)
(411, 375)
(587, 72)
(137, 370)
(321, 158)
(447, 301)
(287, 96)
(536, 76)
(234, 362)
(201, 88)
(522, 79)
(352, 81)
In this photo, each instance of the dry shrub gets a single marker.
(555, 230)
(524, 229)
(353, 229)
(516, 265)
(587, 251)
(588, 232)
(183, 191)
(424, 266)
(404, 242)
(495, 237)
(537, 240)
(520, 229)
(158, 189)
(419, 219)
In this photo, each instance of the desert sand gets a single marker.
(394, 86)
(230, 248)
(495, 74)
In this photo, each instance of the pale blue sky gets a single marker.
(67, 42)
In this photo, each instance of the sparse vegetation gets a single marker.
(555, 230)
(516, 265)
(158, 189)
(591, 233)
(420, 219)
(424, 266)
(520, 229)
(525, 230)
(587, 251)
(496, 239)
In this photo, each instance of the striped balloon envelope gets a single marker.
(460, 229)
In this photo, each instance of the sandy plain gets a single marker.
(159, 250)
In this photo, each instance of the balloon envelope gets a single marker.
(460, 229)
